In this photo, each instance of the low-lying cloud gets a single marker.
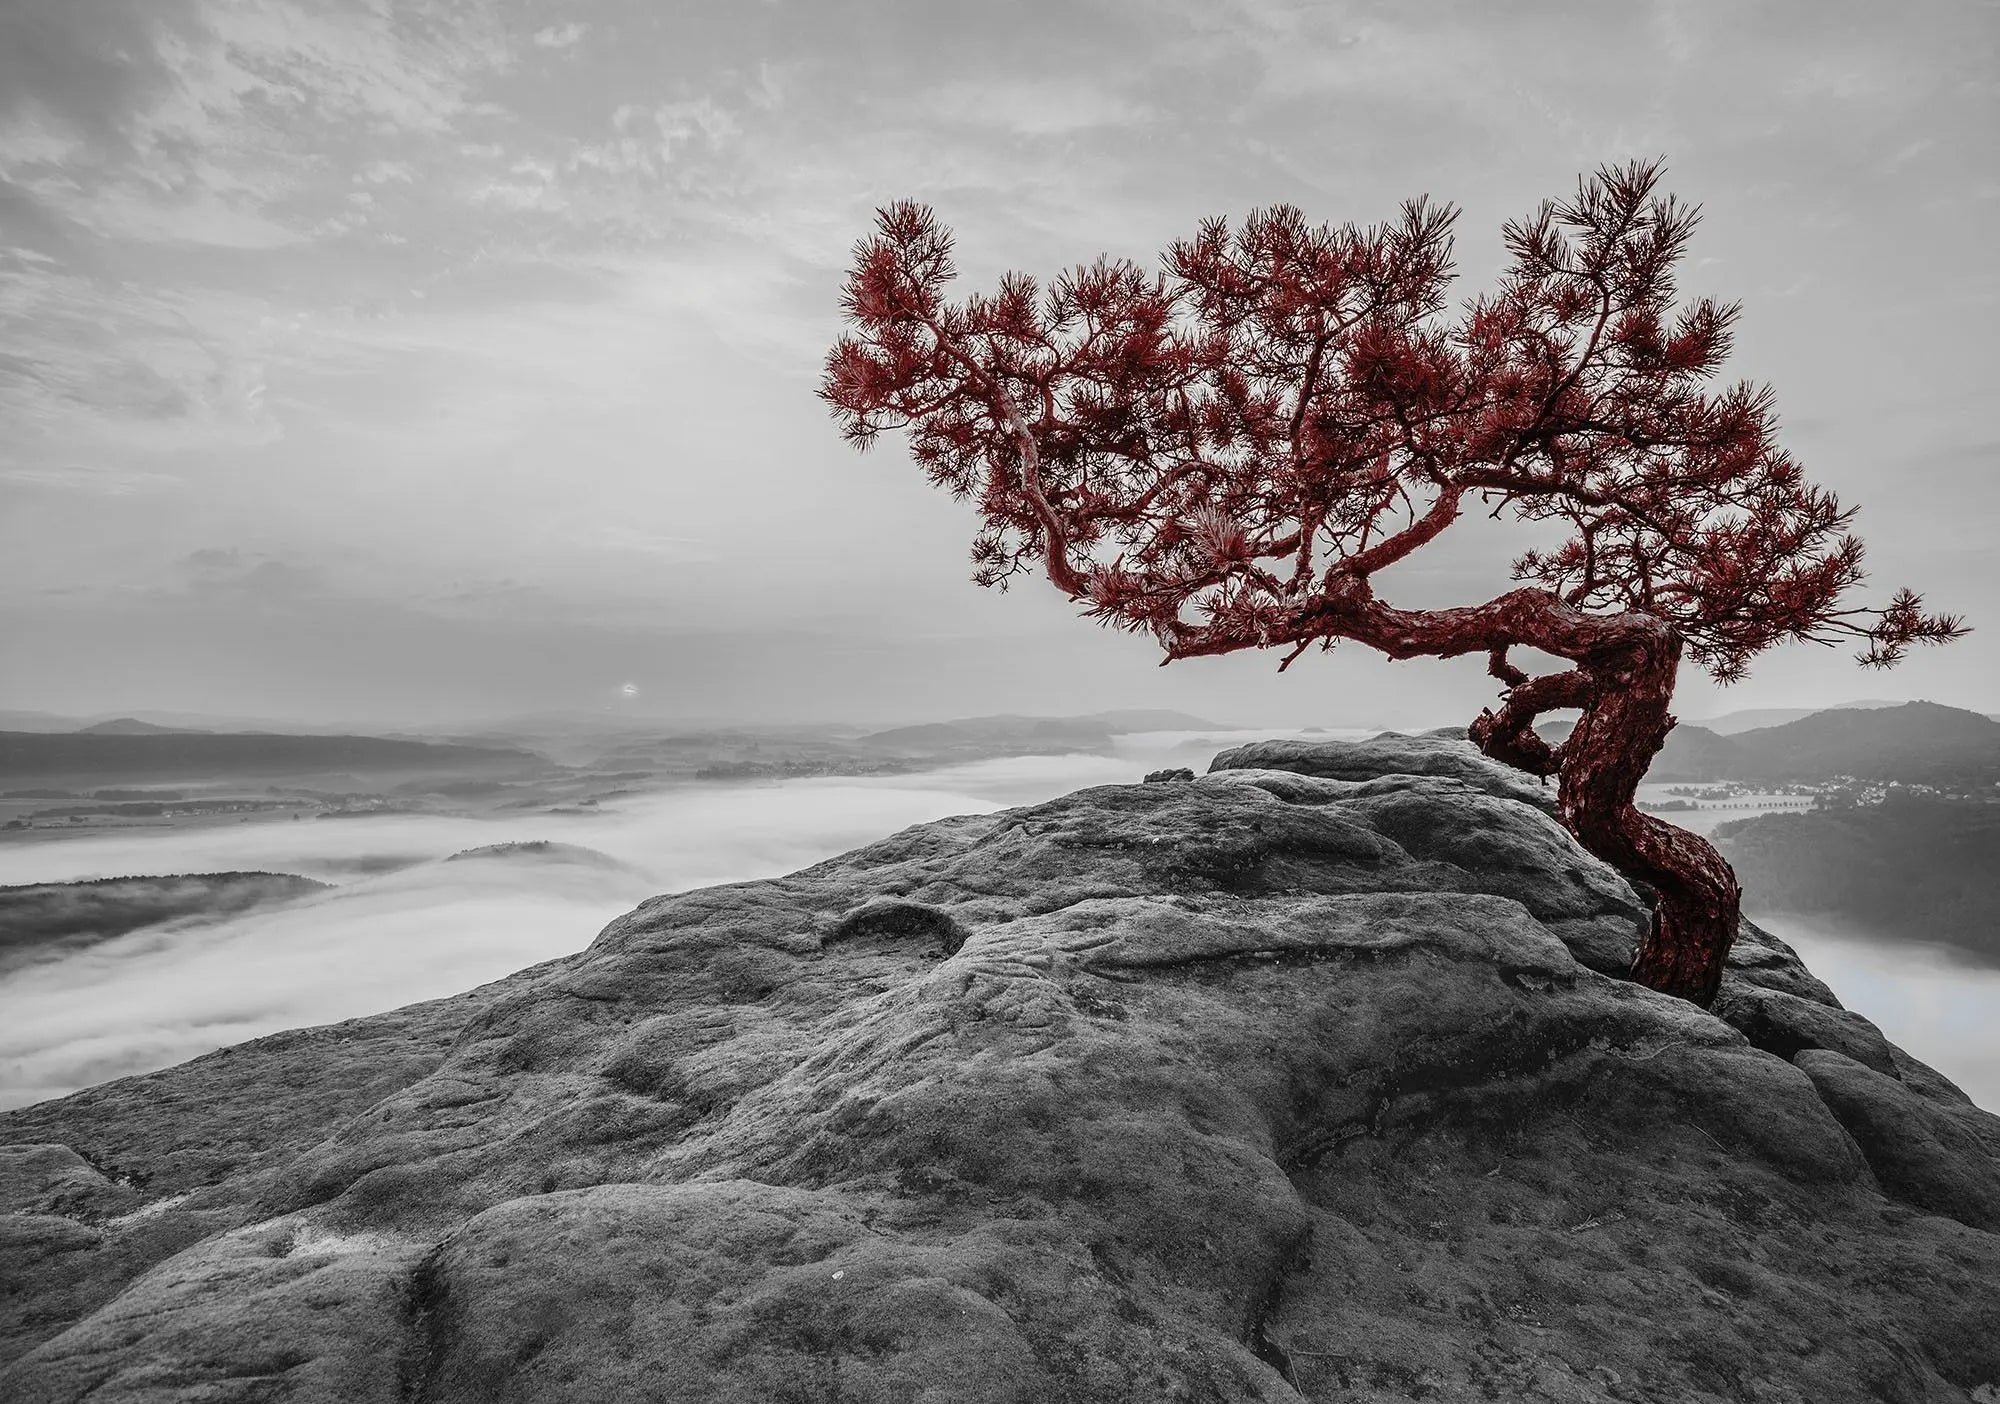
(1926, 999)
(404, 925)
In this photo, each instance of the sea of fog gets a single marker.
(402, 924)
(1928, 1000)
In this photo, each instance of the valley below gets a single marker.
(112, 962)
(149, 918)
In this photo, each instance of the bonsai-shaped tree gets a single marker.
(1227, 453)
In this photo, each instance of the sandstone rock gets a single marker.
(173, 1144)
(49, 1179)
(1787, 1024)
(1759, 958)
(1445, 753)
(1942, 1158)
(1286, 1082)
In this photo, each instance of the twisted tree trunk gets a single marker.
(1253, 434)
(1623, 681)
(1606, 756)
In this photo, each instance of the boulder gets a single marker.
(1445, 753)
(53, 1179)
(1788, 1024)
(1286, 1082)
(1940, 1157)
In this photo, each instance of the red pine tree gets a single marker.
(1225, 454)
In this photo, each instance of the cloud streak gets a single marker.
(194, 136)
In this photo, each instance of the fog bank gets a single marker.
(1926, 999)
(404, 925)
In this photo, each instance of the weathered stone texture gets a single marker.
(1311, 1078)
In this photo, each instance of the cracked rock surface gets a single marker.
(1313, 1077)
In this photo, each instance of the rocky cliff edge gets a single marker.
(1314, 1077)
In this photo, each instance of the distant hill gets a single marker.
(1155, 719)
(44, 921)
(132, 726)
(35, 721)
(1011, 727)
(1696, 753)
(1916, 743)
(541, 851)
(1691, 753)
(1752, 718)
(578, 723)
(998, 731)
(1093, 731)
(925, 734)
(1918, 868)
(170, 721)
(192, 755)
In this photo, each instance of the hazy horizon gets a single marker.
(427, 927)
(626, 716)
(401, 364)
(431, 927)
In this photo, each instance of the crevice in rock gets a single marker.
(898, 921)
(1256, 1334)
(423, 1341)
(1307, 1152)
(1532, 978)
(1392, 1085)
(1933, 1156)
(113, 1172)
(1280, 956)
(1787, 1025)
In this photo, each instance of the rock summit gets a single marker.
(1315, 1077)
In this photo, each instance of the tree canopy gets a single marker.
(1214, 452)
(1225, 452)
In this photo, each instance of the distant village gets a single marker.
(1838, 792)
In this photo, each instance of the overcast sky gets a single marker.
(373, 361)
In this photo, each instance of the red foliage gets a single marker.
(1225, 452)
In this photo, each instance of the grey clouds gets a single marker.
(371, 363)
